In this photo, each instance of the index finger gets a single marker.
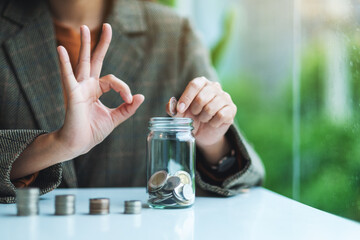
(191, 90)
(111, 82)
(100, 50)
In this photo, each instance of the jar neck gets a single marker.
(170, 124)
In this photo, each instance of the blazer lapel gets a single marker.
(126, 51)
(32, 51)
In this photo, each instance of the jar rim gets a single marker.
(175, 123)
(176, 120)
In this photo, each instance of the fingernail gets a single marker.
(130, 98)
(181, 107)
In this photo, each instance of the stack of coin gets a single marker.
(65, 204)
(27, 201)
(99, 206)
(132, 207)
(171, 191)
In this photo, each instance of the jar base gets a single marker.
(159, 206)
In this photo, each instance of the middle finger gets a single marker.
(83, 66)
(204, 97)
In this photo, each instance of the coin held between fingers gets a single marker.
(171, 107)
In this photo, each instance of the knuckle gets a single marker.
(200, 99)
(186, 99)
(85, 59)
(198, 82)
(217, 85)
(227, 96)
(204, 79)
(208, 109)
(221, 115)
(194, 84)
(235, 108)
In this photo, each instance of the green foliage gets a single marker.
(218, 50)
(269, 129)
(170, 3)
(330, 152)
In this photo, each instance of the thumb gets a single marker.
(126, 110)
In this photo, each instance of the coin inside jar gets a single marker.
(157, 180)
(184, 177)
(172, 183)
(187, 192)
(171, 107)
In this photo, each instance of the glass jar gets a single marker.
(170, 163)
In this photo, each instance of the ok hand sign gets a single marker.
(87, 120)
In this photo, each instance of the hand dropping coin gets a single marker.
(171, 107)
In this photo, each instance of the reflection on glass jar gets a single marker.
(170, 163)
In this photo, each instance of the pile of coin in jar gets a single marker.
(171, 190)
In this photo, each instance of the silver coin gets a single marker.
(132, 211)
(163, 194)
(27, 212)
(65, 204)
(27, 201)
(184, 177)
(171, 107)
(157, 200)
(187, 192)
(133, 203)
(133, 207)
(99, 206)
(65, 198)
(99, 201)
(157, 180)
(65, 211)
(99, 212)
(26, 192)
(171, 183)
(169, 202)
(178, 193)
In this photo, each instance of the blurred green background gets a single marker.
(293, 70)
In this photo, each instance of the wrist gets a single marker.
(215, 152)
(63, 146)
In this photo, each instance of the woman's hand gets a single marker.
(87, 120)
(213, 112)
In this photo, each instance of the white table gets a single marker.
(258, 214)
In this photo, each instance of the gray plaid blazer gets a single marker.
(153, 49)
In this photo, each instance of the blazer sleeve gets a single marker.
(12, 144)
(195, 62)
